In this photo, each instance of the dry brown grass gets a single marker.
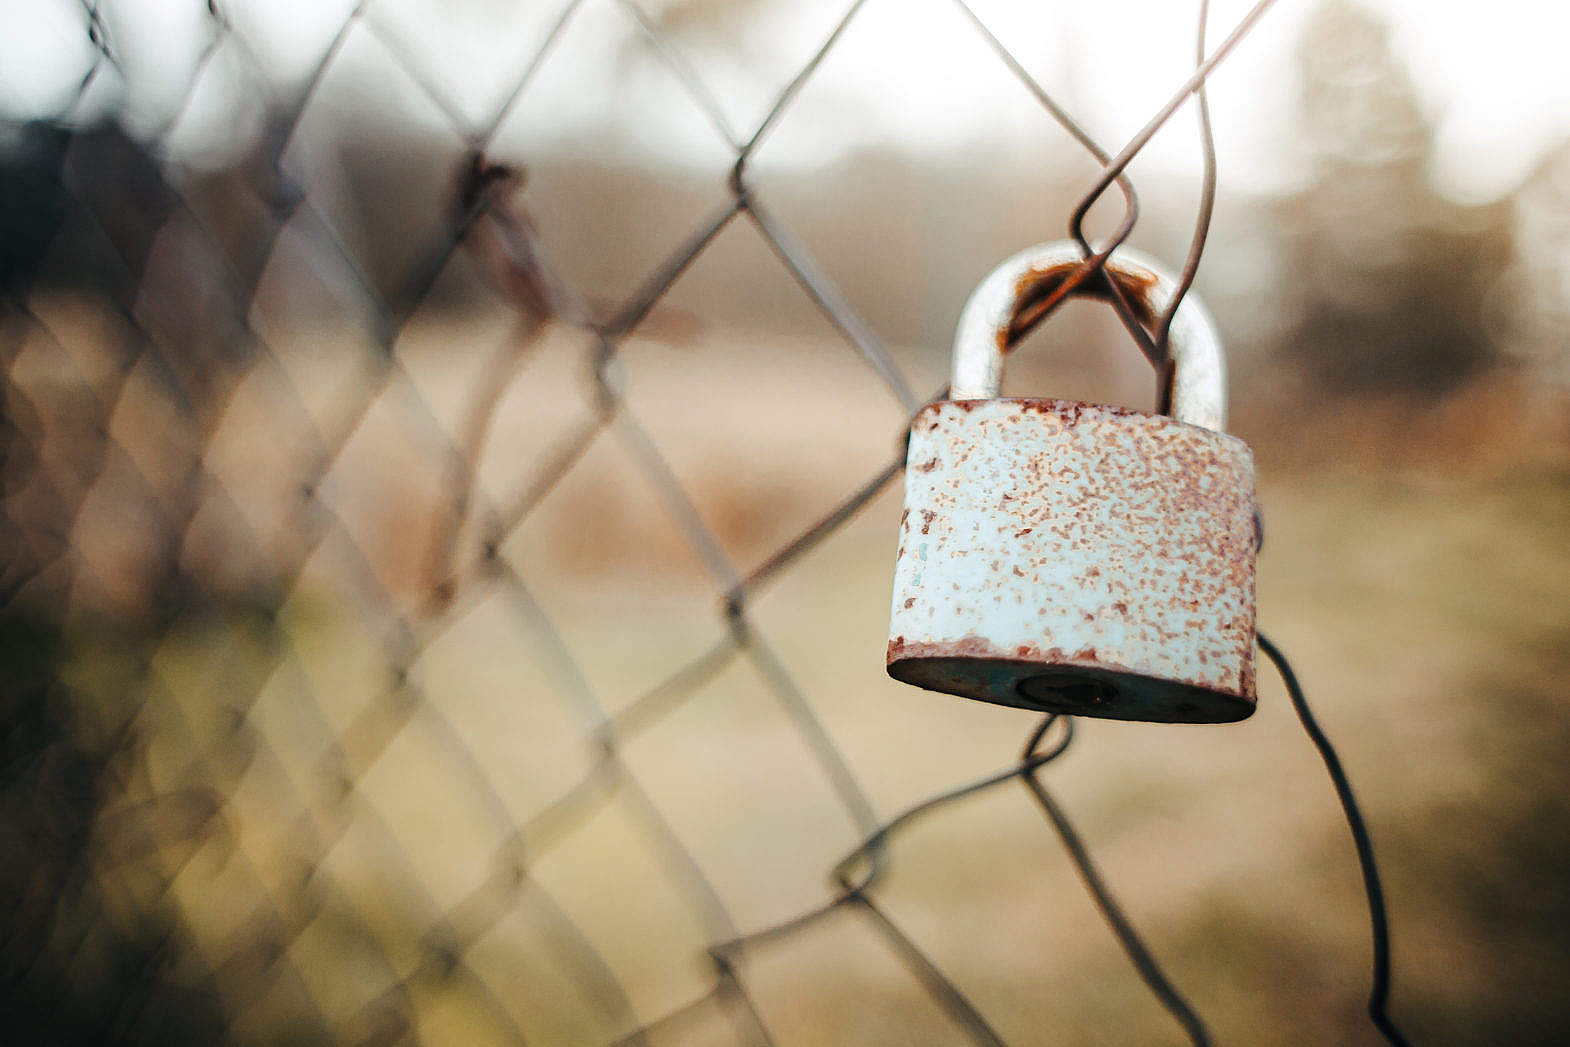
(1416, 569)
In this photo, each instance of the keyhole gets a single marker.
(1062, 690)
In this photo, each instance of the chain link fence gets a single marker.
(235, 747)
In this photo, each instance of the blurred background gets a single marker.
(450, 494)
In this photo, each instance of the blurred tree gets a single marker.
(96, 210)
(712, 25)
(33, 207)
(1537, 310)
(1389, 278)
(712, 31)
(76, 967)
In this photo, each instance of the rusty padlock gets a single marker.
(1075, 558)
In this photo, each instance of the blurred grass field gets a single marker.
(1416, 570)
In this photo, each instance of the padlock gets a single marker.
(1075, 558)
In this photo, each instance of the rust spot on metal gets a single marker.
(929, 465)
(482, 180)
(1040, 291)
(927, 516)
(926, 419)
(973, 646)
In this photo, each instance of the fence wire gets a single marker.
(129, 810)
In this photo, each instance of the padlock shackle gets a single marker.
(986, 327)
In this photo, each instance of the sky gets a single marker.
(909, 73)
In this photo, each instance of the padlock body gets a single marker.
(1075, 558)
